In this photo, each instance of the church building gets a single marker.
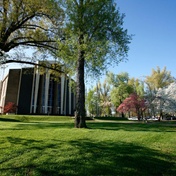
(36, 93)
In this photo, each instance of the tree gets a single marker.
(158, 79)
(138, 86)
(31, 23)
(93, 38)
(118, 94)
(165, 100)
(133, 103)
(120, 87)
(91, 102)
(103, 91)
(116, 80)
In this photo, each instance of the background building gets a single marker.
(36, 93)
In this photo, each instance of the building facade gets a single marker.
(36, 93)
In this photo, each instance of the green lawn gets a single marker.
(51, 146)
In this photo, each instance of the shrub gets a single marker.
(10, 107)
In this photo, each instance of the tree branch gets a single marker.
(31, 63)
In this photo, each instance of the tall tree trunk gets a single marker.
(122, 113)
(80, 121)
(138, 114)
(161, 116)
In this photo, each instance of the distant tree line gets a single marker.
(123, 96)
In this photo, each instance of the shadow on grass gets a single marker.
(24, 124)
(84, 157)
(111, 118)
(9, 120)
(115, 126)
(133, 126)
(43, 125)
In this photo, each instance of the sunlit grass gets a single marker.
(50, 145)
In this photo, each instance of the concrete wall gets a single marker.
(13, 86)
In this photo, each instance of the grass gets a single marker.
(51, 146)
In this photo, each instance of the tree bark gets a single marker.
(80, 120)
(138, 114)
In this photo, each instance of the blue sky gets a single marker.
(153, 24)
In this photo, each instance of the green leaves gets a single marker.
(104, 40)
(159, 79)
(29, 23)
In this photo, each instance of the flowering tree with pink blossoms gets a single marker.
(133, 103)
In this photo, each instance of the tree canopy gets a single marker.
(95, 27)
(31, 23)
(133, 103)
(165, 99)
(158, 79)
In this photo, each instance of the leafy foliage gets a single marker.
(103, 37)
(121, 88)
(158, 79)
(157, 102)
(103, 91)
(165, 99)
(132, 104)
(29, 23)
(91, 102)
